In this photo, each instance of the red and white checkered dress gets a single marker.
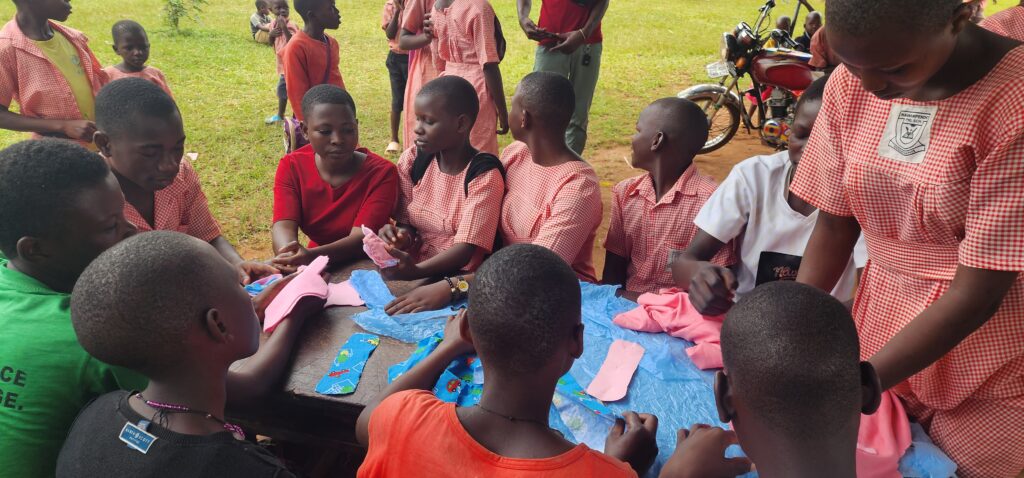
(651, 233)
(464, 42)
(179, 207)
(556, 207)
(936, 185)
(1008, 23)
(29, 78)
(441, 212)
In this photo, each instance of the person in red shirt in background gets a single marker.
(330, 187)
(282, 31)
(311, 57)
(822, 57)
(570, 44)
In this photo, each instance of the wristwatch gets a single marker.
(459, 287)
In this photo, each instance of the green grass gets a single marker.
(224, 82)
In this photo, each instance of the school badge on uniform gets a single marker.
(907, 133)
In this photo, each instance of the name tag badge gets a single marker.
(136, 437)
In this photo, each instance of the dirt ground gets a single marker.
(612, 168)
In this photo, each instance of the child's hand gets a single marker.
(712, 289)
(453, 335)
(406, 269)
(700, 452)
(78, 129)
(503, 123)
(291, 256)
(249, 271)
(427, 297)
(428, 26)
(398, 237)
(633, 440)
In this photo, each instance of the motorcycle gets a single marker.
(777, 77)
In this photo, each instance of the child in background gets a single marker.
(282, 32)
(652, 214)
(132, 44)
(331, 187)
(34, 53)
(398, 67)
(524, 322)
(554, 196)
(60, 207)
(311, 56)
(771, 227)
(167, 306)
(259, 23)
(142, 137)
(812, 23)
(793, 386)
(415, 37)
(464, 42)
(450, 194)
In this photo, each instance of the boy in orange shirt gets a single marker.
(311, 57)
(34, 53)
(143, 139)
(652, 214)
(524, 322)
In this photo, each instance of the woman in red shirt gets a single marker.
(330, 188)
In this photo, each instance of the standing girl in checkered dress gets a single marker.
(465, 44)
(919, 146)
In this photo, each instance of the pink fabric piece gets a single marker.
(307, 283)
(268, 279)
(706, 355)
(612, 380)
(883, 439)
(342, 294)
(671, 312)
(377, 250)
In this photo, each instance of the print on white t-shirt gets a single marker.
(907, 133)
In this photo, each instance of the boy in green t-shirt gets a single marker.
(60, 207)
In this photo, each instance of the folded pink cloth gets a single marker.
(377, 249)
(612, 381)
(671, 312)
(883, 438)
(309, 283)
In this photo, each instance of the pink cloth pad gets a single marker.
(883, 438)
(309, 283)
(613, 379)
(671, 312)
(377, 250)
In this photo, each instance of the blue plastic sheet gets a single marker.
(409, 328)
(666, 384)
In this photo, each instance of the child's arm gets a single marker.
(492, 77)
(700, 452)
(259, 373)
(74, 129)
(247, 270)
(296, 79)
(426, 297)
(454, 259)
(615, 269)
(711, 287)
(391, 27)
(424, 375)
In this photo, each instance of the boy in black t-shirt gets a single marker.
(167, 305)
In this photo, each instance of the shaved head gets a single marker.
(682, 121)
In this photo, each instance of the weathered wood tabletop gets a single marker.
(297, 413)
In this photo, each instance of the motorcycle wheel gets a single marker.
(723, 122)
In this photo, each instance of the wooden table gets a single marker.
(300, 415)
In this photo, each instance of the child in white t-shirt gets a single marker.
(771, 227)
